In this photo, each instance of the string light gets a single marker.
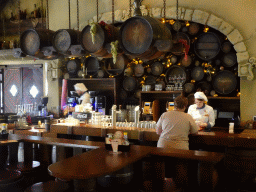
(187, 24)
(206, 29)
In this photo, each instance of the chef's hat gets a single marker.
(200, 95)
(80, 87)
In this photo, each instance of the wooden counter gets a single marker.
(96, 163)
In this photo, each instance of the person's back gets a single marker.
(175, 126)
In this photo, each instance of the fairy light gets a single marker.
(171, 21)
(206, 29)
(187, 24)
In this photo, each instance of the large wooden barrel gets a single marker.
(145, 37)
(105, 34)
(32, 41)
(224, 82)
(207, 46)
(64, 38)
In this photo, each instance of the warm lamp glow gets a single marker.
(187, 23)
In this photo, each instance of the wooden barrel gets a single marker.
(178, 47)
(189, 87)
(73, 67)
(92, 66)
(157, 68)
(130, 83)
(186, 61)
(193, 28)
(150, 80)
(226, 46)
(197, 73)
(174, 72)
(204, 87)
(33, 40)
(64, 38)
(115, 69)
(144, 36)
(224, 82)
(207, 46)
(229, 59)
(104, 35)
(138, 70)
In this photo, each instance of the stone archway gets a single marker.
(245, 63)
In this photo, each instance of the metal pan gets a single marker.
(224, 82)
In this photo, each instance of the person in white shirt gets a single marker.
(202, 113)
(84, 98)
(175, 126)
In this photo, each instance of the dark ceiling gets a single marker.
(2, 4)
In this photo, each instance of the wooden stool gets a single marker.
(11, 181)
(49, 186)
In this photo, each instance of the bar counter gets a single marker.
(245, 138)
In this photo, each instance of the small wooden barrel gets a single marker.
(117, 68)
(186, 61)
(32, 41)
(64, 38)
(189, 87)
(157, 68)
(175, 71)
(226, 46)
(73, 67)
(138, 36)
(207, 46)
(104, 35)
(92, 66)
(130, 83)
(229, 59)
(193, 28)
(138, 70)
(197, 73)
(178, 47)
(224, 82)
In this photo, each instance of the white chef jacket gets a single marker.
(204, 114)
(85, 98)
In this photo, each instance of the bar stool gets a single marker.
(29, 168)
(49, 186)
(10, 180)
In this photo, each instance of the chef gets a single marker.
(84, 98)
(202, 113)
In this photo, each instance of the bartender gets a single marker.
(84, 97)
(202, 113)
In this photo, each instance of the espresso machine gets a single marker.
(98, 102)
